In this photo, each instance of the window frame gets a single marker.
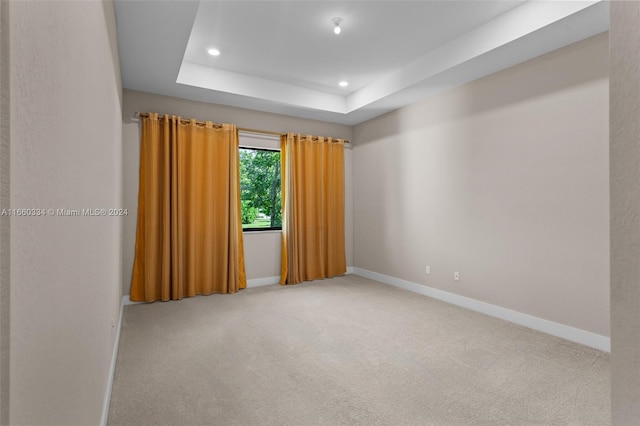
(256, 148)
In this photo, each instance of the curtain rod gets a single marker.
(137, 115)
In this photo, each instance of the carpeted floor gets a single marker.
(346, 351)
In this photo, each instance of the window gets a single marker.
(260, 184)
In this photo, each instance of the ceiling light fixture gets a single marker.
(343, 83)
(336, 25)
(213, 51)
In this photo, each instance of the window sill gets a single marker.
(266, 231)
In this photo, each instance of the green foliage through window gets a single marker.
(260, 184)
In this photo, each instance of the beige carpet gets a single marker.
(346, 351)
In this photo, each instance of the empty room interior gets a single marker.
(319, 213)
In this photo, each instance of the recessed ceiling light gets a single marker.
(336, 25)
(343, 83)
(213, 51)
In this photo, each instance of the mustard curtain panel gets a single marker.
(313, 208)
(189, 235)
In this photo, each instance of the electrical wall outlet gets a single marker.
(456, 276)
(428, 270)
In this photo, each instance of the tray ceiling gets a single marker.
(283, 56)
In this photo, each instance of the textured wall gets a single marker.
(504, 180)
(262, 251)
(625, 212)
(5, 307)
(66, 142)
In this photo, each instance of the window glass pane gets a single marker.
(260, 184)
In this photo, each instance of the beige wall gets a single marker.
(262, 250)
(504, 180)
(625, 212)
(5, 307)
(66, 142)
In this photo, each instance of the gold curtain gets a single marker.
(189, 235)
(313, 208)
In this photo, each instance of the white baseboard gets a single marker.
(112, 369)
(257, 282)
(126, 301)
(566, 332)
